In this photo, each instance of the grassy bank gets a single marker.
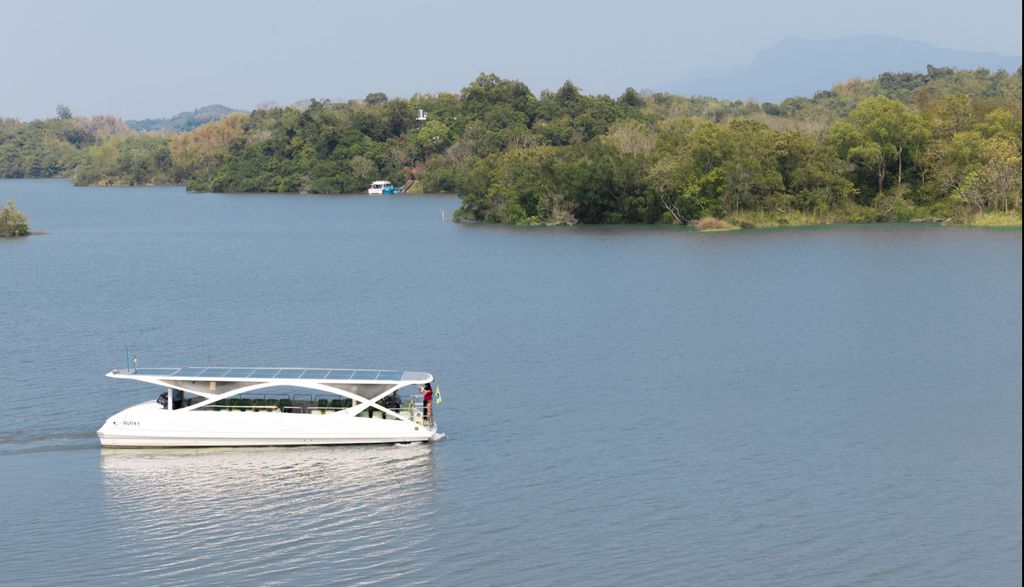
(773, 219)
(854, 215)
(999, 219)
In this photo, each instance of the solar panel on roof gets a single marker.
(243, 373)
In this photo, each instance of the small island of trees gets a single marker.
(941, 145)
(13, 222)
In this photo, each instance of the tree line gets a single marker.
(941, 144)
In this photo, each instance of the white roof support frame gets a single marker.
(359, 403)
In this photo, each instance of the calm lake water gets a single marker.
(624, 406)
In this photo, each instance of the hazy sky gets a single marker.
(153, 59)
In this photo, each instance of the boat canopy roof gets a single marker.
(380, 183)
(275, 374)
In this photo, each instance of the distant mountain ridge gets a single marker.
(800, 67)
(183, 122)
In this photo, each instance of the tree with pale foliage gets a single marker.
(196, 154)
(364, 168)
(996, 184)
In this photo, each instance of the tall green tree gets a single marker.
(880, 134)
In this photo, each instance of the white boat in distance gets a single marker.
(255, 406)
(385, 188)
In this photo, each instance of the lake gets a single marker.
(624, 405)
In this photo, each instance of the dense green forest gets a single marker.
(943, 145)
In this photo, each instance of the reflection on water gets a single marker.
(339, 514)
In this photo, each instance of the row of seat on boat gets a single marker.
(278, 404)
(306, 405)
(295, 404)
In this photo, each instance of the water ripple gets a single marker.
(336, 515)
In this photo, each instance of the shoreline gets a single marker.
(740, 221)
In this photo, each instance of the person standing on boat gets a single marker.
(428, 397)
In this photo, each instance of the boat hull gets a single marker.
(204, 442)
(149, 426)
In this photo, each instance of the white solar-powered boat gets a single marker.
(222, 406)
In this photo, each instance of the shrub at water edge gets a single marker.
(13, 222)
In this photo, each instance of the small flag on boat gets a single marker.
(437, 392)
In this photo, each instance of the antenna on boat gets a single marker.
(131, 363)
